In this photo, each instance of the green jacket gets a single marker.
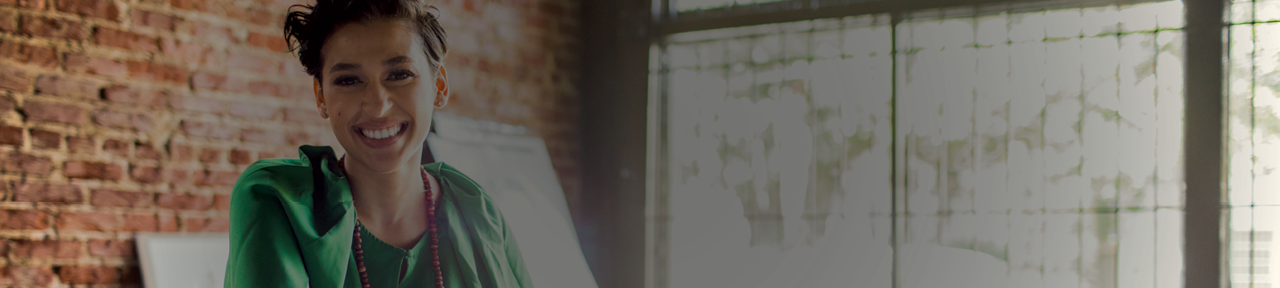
(292, 221)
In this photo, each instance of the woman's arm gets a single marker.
(264, 251)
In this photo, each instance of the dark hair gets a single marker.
(308, 26)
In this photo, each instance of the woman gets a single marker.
(375, 217)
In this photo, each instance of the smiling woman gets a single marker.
(360, 220)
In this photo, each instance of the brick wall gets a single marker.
(125, 116)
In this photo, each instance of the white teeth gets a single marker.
(380, 134)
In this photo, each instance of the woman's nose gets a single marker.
(380, 101)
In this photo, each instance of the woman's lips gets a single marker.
(381, 137)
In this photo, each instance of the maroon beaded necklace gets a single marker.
(431, 220)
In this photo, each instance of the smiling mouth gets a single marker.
(383, 133)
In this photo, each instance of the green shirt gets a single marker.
(292, 222)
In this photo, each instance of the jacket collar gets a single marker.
(332, 219)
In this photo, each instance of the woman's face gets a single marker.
(379, 91)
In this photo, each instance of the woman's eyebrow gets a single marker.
(344, 67)
(396, 60)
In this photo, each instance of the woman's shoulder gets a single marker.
(455, 178)
(284, 178)
(465, 190)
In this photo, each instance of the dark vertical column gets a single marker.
(1204, 143)
(615, 51)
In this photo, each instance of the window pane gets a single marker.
(1253, 129)
(780, 154)
(1076, 124)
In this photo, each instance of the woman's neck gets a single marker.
(388, 200)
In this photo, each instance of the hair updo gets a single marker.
(308, 26)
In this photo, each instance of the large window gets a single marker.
(960, 147)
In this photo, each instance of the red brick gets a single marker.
(204, 80)
(114, 198)
(113, 119)
(34, 55)
(124, 94)
(55, 112)
(10, 135)
(140, 223)
(184, 51)
(202, 6)
(197, 104)
(267, 88)
(304, 116)
(45, 249)
(8, 21)
(65, 86)
(146, 174)
(7, 103)
(262, 17)
(209, 81)
(205, 225)
(124, 40)
(156, 71)
(17, 162)
(270, 42)
(93, 170)
(222, 202)
(183, 201)
(209, 130)
(105, 9)
(241, 157)
(88, 275)
(12, 78)
(45, 139)
(81, 145)
(302, 138)
(181, 153)
(252, 110)
(167, 221)
(27, 275)
(116, 147)
(146, 151)
(89, 221)
(24, 219)
(33, 4)
(267, 155)
(46, 27)
(77, 63)
(246, 61)
(212, 33)
(210, 155)
(44, 192)
(218, 178)
(155, 20)
(111, 248)
(254, 135)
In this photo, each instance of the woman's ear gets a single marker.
(442, 88)
(320, 99)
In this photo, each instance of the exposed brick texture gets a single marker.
(119, 116)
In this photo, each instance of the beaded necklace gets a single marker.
(431, 220)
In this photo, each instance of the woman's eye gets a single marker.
(346, 81)
(401, 75)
